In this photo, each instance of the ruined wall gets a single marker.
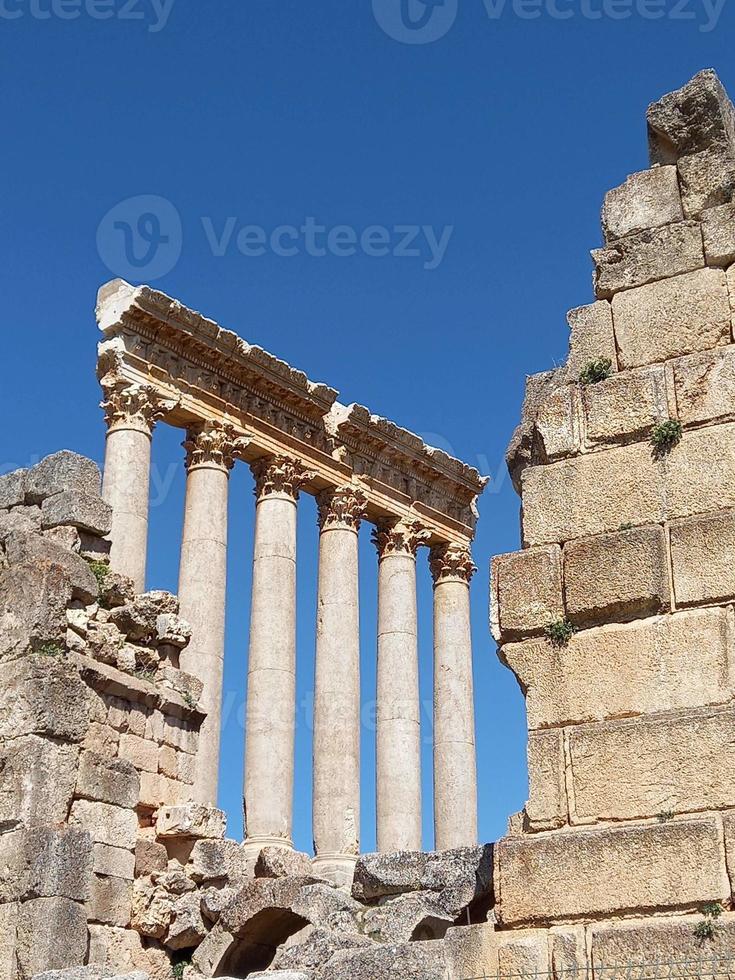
(617, 616)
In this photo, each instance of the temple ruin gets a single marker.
(617, 616)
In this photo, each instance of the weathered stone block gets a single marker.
(77, 509)
(122, 951)
(108, 780)
(187, 927)
(699, 474)
(702, 550)
(278, 862)
(52, 935)
(212, 859)
(114, 862)
(591, 337)
(555, 877)
(616, 577)
(705, 386)
(673, 317)
(697, 116)
(23, 547)
(12, 489)
(37, 780)
(33, 601)
(642, 258)
(61, 472)
(526, 591)
(647, 199)
(618, 670)
(191, 820)
(547, 806)
(557, 427)
(407, 961)
(636, 768)
(105, 823)
(591, 494)
(43, 695)
(707, 180)
(639, 943)
(523, 447)
(718, 233)
(59, 862)
(625, 405)
(138, 619)
(405, 918)
(150, 856)
(26, 519)
(8, 940)
(141, 752)
(110, 901)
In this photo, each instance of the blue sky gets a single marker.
(507, 129)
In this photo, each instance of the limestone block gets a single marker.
(661, 940)
(279, 862)
(108, 780)
(591, 494)
(61, 472)
(113, 862)
(406, 918)
(37, 780)
(26, 519)
(316, 949)
(122, 951)
(150, 856)
(635, 768)
(556, 427)
(647, 199)
(625, 405)
(215, 901)
(705, 386)
(76, 509)
(728, 820)
(699, 474)
(52, 935)
(212, 859)
(616, 577)
(141, 752)
(718, 233)
(8, 940)
(568, 952)
(555, 877)
(187, 926)
(697, 116)
(59, 862)
(591, 337)
(196, 820)
(647, 256)
(138, 619)
(702, 550)
(105, 823)
(116, 590)
(152, 908)
(12, 489)
(526, 591)
(631, 669)
(471, 951)
(101, 739)
(22, 547)
(524, 955)
(407, 961)
(673, 317)
(523, 449)
(157, 790)
(180, 734)
(43, 695)
(547, 806)
(65, 537)
(110, 901)
(707, 180)
(33, 601)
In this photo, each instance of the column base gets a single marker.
(337, 868)
(252, 846)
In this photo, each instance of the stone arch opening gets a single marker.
(256, 948)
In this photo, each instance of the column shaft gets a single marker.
(336, 797)
(125, 487)
(455, 765)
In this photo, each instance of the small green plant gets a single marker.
(665, 435)
(707, 928)
(665, 816)
(100, 572)
(560, 632)
(50, 650)
(625, 527)
(178, 968)
(595, 371)
(148, 675)
(189, 699)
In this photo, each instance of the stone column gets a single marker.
(398, 709)
(210, 455)
(131, 412)
(455, 764)
(271, 701)
(336, 802)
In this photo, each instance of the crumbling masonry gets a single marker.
(617, 617)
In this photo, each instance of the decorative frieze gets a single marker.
(279, 475)
(399, 537)
(214, 444)
(341, 508)
(133, 406)
(451, 562)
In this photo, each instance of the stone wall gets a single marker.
(618, 616)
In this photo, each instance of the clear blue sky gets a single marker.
(508, 128)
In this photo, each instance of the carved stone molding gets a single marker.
(279, 475)
(399, 537)
(134, 406)
(451, 562)
(341, 508)
(214, 444)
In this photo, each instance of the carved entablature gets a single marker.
(210, 375)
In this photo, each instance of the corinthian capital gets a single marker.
(451, 562)
(134, 406)
(213, 444)
(279, 475)
(342, 508)
(394, 536)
